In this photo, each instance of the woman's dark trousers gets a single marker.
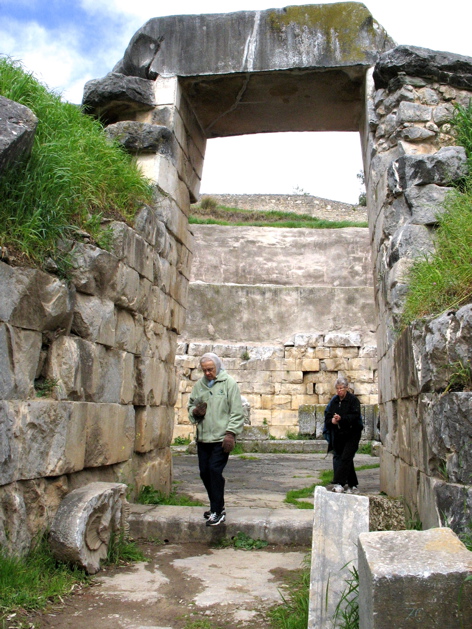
(212, 461)
(345, 448)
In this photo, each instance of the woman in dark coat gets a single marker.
(342, 429)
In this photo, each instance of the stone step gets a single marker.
(179, 525)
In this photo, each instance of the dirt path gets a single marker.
(185, 586)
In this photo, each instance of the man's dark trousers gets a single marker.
(212, 461)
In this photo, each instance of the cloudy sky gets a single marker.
(68, 42)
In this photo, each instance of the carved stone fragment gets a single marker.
(85, 521)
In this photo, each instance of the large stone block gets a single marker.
(110, 433)
(132, 249)
(32, 299)
(153, 468)
(154, 428)
(93, 270)
(449, 433)
(57, 430)
(94, 319)
(27, 509)
(20, 357)
(339, 520)
(406, 578)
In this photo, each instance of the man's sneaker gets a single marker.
(352, 490)
(216, 518)
(338, 489)
(207, 514)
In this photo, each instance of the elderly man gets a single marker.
(216, 409)
(342, 429)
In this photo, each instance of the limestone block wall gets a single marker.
(288, 310)
(100, 346)
(410, 163)
(279, 379)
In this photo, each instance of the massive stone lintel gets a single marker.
(300, 68)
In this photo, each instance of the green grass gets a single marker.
(293, 612)
(242, 541)
(73, 178)
(150, 496)
(122, 550)
(181, 441)
(325, 478)
(33, 581)
(443, 280)
(223, 215)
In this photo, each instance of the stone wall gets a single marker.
(288, 310)
(409, 165)
(88, 382)
(278, 380)
(326, 209)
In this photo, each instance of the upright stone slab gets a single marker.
(338, 522)
(412, 579)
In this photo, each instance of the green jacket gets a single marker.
(224, 408)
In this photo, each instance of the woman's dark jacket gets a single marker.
(351, 419)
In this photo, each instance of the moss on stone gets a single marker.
(341, 23)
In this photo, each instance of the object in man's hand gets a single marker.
(228, 442)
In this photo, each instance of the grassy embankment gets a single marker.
(443, 280)
(73, 179)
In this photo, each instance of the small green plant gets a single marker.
(346, 615)
(33, 581)
(365, 448)
(121, 550)
(294, 436)
(245, 355)
(238, 449)
(293, 612)
(148, 495)
(181, 441)
(466, 536)
(264, 422)
(208, 203)
(412, 521)
(460, 378)
(202, 623)
(45, 386)
(242, 541)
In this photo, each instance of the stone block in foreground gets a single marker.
(338, 521)
(413, 579)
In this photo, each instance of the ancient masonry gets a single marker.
(286, 314)
(108, 339)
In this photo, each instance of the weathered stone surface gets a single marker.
(19, 356)
(57, 430)
(110, 434)
(256, 43)
(444, 67)
(338, 522)
(386, 514)
(84, 522)
(94, 319)
(449, 164)
(32, 299)
(27, 507)
(93, 269)
(332, 309)
(154, 428)
(17, 129)
(426, 203)
(284, 257)
(449, 431)
(141, 137)
(406, 576)
(118, 92)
